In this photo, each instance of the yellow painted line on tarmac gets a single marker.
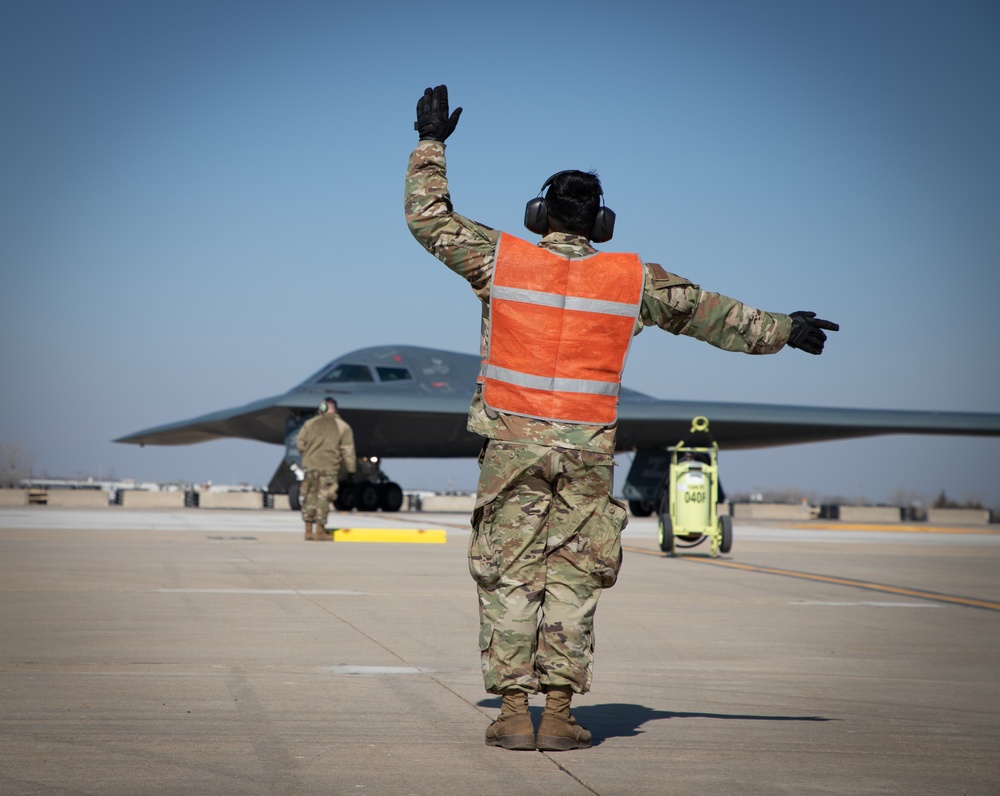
(858, 584)
(951, 599)
(391, 535)
(840, 526)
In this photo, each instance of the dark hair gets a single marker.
(573, 199)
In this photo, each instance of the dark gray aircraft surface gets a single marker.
(408, 401)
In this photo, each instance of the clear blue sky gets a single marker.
(202, 204)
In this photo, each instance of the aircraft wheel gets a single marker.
(367, 496)
(390, 496)
(347, 497)
(727, 534)
(640, 508)
(294, 502)
(665, 530)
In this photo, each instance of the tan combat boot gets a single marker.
(320, 534)
(558, 730)
(309, 531)
(513, 728)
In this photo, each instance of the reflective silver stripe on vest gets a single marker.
(519, 379)
(564, 302)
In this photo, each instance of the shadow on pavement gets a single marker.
(619, 720)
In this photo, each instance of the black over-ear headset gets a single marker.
(536, 216)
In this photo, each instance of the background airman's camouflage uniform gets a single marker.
(326, 443)
(546, 535)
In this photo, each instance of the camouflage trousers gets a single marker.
(319, 490)
(546, 539)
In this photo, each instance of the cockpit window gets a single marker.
(393, 374)
(342, 373)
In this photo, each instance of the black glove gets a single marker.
(433, 122)
(807, 332)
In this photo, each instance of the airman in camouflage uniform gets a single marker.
(546, 531)
(326, 443)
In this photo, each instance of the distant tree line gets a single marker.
(944, 502)
(16, 464)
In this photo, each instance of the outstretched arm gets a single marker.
(466, 247)
(679, 306)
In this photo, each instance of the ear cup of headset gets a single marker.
(322, 408)
(536, 216)
(604, 225)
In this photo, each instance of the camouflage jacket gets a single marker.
(670, 302)
(326, 442)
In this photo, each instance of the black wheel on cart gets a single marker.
(666, 533)
(726, 543)
(294, 501)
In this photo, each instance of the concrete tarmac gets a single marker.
(215, 652)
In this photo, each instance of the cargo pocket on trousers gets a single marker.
(483, 559)
(607, 544)
(485, 636)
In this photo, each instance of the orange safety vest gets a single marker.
(559, 332)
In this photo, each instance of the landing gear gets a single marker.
(641, 508)
(390, 496)
(370, 491)
(369, 496)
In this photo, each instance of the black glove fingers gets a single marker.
(424, 103)
(433, 122)
(439, 102)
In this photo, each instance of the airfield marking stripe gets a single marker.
(857, 584)
(814, 526)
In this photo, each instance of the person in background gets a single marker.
(326, 443)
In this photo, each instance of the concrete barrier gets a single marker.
(457, 503)
(771, 511)
(77, 498)
(958, 516)
(13, 497)
(141, 499)
(870, 514)
(280, 503)
(231, 500)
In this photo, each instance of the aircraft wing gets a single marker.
(735, 426)
(412, 402)
(262, 420)
(401, 426)
(434, 426)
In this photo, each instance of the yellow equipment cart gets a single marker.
(688, 510)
